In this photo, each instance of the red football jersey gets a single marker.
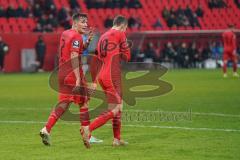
(112, 49)
(70, 41)
(229, 40)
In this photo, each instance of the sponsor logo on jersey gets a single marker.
(75, 44)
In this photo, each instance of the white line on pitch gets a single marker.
(138, 126)
(149, 111)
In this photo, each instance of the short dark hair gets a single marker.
(77, 16)
(118, 20)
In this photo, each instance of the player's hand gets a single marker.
(92, 88)
(234, 52)
(90, 35)
(77, 90)
(78, 82)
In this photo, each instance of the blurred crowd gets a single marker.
(113, 4)
(49, 18)
(11, 12)
(134, 22)
(237, 3)
(182, 17)
(180, 55)
(217, 4)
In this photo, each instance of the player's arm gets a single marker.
(96, 65)
(90, 37)
(125, 48)
(76, 48)
(75, 65)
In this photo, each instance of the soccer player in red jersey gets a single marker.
(229, 40)
(111, 50)
(71, 47)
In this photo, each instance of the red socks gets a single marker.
(224, 68)
(116, 124)
(54, 116)
(101, 120)
(84, 116)
(234, 66)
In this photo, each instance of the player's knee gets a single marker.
(117, 109)
(120, 107)
(64, 105)
(84, 105)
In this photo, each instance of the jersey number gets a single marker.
(103, 48)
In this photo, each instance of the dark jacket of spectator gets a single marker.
(157, 24)
(189, 12)
(10, 12)
(38, 28)
(20, 12)
(2, 12)
(166, 13)
(199, 11)
(40, 48)
(171, 21)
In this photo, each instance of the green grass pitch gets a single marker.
(212, 132)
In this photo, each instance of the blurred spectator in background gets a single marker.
(10, 12)
(42, 20)
(216, 4)
(199, 11)
(206, 53)
(194, 21)
(74, 4)
(52, 20)
(113, 3)
(169, 54)
(237, 3)
(188, 12)
(19, 11)
(183, 58)
(150, 52)
(48, 28)
(134, 4)
(108, 22)
(172, 22)
(166, 13)
(37, 11)
(63, 18)
(134, 22)
(157, 24)
(38, 28)
(182, 17)
(179, 11)
(48, 4)
(194, 55)
(184, 21)
(217, 50)
(40, 48)
(28, 12)
(3, 51)
(52, 10)
(2, 12)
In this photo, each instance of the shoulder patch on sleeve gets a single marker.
(76, 44)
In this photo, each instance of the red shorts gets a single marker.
(229, 55)
(65, 91)
(112, 90)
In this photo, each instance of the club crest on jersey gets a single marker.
(75, 44)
